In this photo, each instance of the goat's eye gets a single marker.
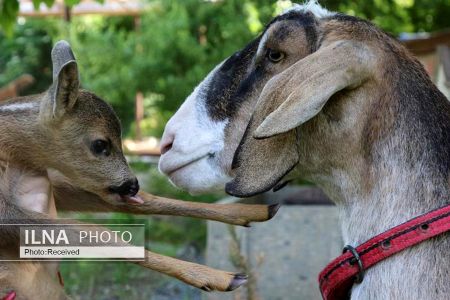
(274, 55)
(101, 147)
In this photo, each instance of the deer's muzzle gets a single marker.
(128, 188)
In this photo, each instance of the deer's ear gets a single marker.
(63, 93)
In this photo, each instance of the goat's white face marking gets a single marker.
(195, 142)
(18, 106)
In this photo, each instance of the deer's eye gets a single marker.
(275, 56)
(101, 147)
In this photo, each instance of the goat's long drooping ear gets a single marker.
(260, 164)
(63, 93)
(307, 85)
(287, 101)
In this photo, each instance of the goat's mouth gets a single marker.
(170, 170)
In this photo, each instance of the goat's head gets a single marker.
(82, 134)
(200, 139)
(311, 73)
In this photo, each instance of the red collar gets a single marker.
(337, 279)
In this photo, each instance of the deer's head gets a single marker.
(82, 134)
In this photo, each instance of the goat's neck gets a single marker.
(22, 138)
(374, 197)
(396, 193)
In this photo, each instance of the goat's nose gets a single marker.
(167, 142)
(128, 188)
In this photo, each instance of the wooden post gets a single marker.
(67, 13)
(139, 105)
(139, 109)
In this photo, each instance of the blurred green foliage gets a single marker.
(176, 44)
(9, 10)
(29, 53)
(396, 16)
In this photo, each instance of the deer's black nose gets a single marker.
(128, 188)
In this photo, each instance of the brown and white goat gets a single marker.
(334, 100)
(66, 143)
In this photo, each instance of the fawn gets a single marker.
(62, 150)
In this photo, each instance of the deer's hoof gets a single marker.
(273, 209)
(238, 280)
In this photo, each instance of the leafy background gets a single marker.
(177, 44)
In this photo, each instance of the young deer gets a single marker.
(61, 150)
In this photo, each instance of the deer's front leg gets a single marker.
(235, 214)
(199, 276)
(74, 199)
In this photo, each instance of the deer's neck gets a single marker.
(22, 139)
